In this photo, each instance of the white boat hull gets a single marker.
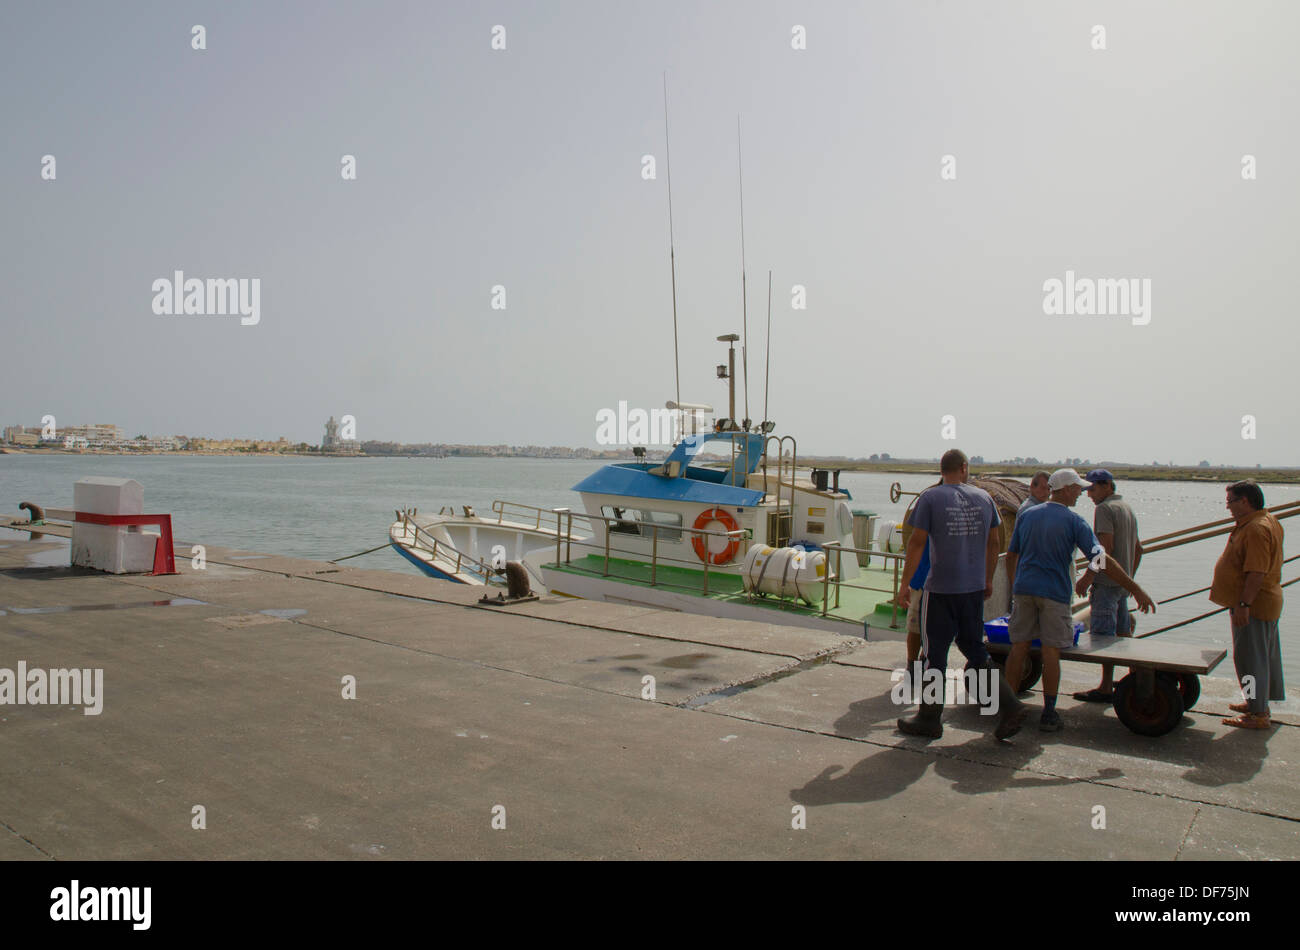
(465, 548)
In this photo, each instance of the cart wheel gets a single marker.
(1189, 685)
(1152, 715)
(1031, 674)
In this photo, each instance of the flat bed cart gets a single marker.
(1163, 680)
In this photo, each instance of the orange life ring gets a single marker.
(702, 548)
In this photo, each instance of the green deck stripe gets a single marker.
(855, 604)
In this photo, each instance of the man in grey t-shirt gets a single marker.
(1116, 528)
(1038, 493)
(959, 523)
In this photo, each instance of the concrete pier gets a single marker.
(236, 704)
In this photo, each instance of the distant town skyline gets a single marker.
(183, 443)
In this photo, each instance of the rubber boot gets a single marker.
(927, 722)
(916, 675)
(1013, 711)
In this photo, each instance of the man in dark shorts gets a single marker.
(1039, 564)
(959, 523)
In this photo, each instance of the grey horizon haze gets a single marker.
(522, 168)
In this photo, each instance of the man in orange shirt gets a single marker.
(1248, 581)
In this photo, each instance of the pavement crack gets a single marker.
(1188, 832)
(707, 696)
(22, 837)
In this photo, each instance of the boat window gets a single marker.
(671, 525)
(633, 520)
(627, 519)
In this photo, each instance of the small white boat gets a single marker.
(466, 548)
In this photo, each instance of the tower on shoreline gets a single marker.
(333, 445)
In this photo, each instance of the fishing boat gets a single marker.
(724, 526)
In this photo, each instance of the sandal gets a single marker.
(1239, 707)
(1249, 721)
(1095, 696)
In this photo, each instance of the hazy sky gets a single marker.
(522, 168)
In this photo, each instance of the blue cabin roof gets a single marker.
(709, 486)
(633, 479)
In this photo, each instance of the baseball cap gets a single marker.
(1064, 478)
(1100, 475)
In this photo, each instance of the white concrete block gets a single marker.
(117, 549)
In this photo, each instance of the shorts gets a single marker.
(1041, 618)
(1110, 616)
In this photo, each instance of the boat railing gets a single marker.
(438, 548)
(608, 550)
(780, 472)
(836, 576)
(522, 513)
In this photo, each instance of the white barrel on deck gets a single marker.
(785, 572)
(117, 549)
(889, 536)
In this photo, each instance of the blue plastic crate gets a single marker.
(996, 631)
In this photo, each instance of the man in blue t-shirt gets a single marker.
(1040, 560)
(959, 523)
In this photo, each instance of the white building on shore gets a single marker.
(333, 445)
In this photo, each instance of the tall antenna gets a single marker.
(672, 255)
(744, 303)
(768, 372)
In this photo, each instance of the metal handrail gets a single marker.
(1278, 511)
(1219, 523)
(564, 538)
(409, 524)
(499, 509)
(839, 550)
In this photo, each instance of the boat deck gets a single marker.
(856, 604)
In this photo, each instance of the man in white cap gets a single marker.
(1039, 565)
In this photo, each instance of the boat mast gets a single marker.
(768, 371)
(672, 256)
(744, 303)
